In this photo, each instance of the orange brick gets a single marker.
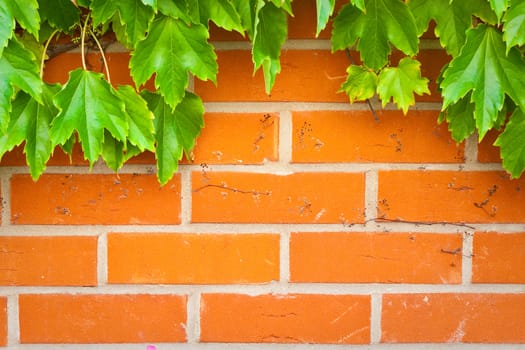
(498, 258)
(453, 318)
(432, 62)
(269, 198)
(48, 261)
(230, 138)
(192, 258)
(375, 257)
(298, 318)
(487, 152)
(306, 75)
(451, 196)
(94, 199)
(3, 321)
(354, 136)
(64, 318)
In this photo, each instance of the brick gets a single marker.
(94, 199)
(294, 318)
(487, 152)
(354, 136)
(238, 138)
(498, 257)
(3, 321)
(451, 196)
(64, 318)
(453, 318)
(306, 75)
(358, 257)
(269, 198)
(48, 261)
(193, 258)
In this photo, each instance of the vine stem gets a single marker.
(83, 42)
(106, 66)
(46, 46)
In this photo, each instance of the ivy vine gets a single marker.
(483, 86)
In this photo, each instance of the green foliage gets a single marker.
(483, 86)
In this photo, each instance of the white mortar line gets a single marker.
(5, 185)
(285, 138)
(284, 257)
(102, 259)
(466, 261)
(371, 191)
(13, 321)
(193, 318)
(471, 151)
(375, 318)
(186, 194)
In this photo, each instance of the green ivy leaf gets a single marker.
(61, 14)
(512, 147)
(18, 70)
(483, 68)
(361, 83)
(151, 3)
(139, 119)
(514, 25)
(270, 34)
(88, 105)
(248, 11)
(460, 119)
(171, 50)
(175, 130)
(324, 9)
(284, 4)
(385, 21)
(7, 26)
(133, 14)
(220, 12)
(401, 82)
(452, 20)
(499, 6)
(26, 14)
(174, 10)
(115, 153)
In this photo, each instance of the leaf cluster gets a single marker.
(483, 85)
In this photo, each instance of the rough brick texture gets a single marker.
(297, 218)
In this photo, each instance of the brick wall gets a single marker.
(299, 220)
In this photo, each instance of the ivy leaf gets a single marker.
(175, 130)
(452, 21)
(499, 6)
(7, 26)
(270, 34)
(483, 68)
(171, 50)
(248, 11)
(284, 4)
(460, 119)
(88, 105)
(174, 9)
(514, 25)
(151, 3)
(61, 14)
(360, 4)
(222, 13)
(134, 15)
(324, 9)
(512, 147)
(385, 21)
(401, 82)
(361, 83)
(30, 121)
(115, 153)
(139, 119)
(26, 14)
(18, 70)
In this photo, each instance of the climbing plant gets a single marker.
(483, 85)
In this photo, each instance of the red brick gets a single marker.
(94, 199)
(238, 138)
(451, 196)
(306, 75)
(453, 318)
(193, 258)
(297, 318)
(498, 258)
(3, 321)
(48, 261)
(354, 136)
(487, 152)
(268, 198)
(64, 318)
(375, 257)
